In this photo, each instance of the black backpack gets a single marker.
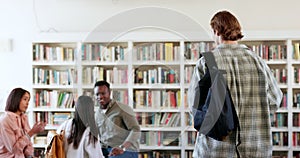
(215, 116)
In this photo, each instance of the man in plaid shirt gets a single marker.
(253, 88)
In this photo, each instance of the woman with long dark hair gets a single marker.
(81, 134)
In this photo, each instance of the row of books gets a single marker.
(192, 50)
(160, 138)
(270, 52)
(52, 118)
(54, 99)
(296, 154)
(279, 154)
(120, 75)
(43, 52)
(296, 139)
(280, 74)
(103, 52)
(143, 99)
(296, 51)
(156, 75)
(160, 154)
(156, 99)
(156, 52)
(47, 76)
(189, 154)
(120, 96)
(148, 52)
(164, 119)
(279, 120)
(297, 75)
(280, 138)
(296, 100)
(191, 138)
(114, 75)
(284, 154)
(296, 119)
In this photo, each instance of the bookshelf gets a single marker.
(141, 70)
(294, 83)
(54, 86)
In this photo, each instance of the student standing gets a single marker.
(15, 131)
(81, 133)
(118, 127)
(253, 88)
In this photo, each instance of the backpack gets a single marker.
(215, 115)
(55, 149)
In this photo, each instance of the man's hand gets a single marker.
(120, 150)
(116, 151)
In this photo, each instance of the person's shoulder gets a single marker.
(68, 122)
(123, 107)
(3, 118)
(65, 125)
(252, 54)
(7, 118)
(120, 104)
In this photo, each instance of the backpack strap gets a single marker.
(239, 139)
(212, 65)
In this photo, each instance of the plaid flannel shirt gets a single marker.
(255, 94)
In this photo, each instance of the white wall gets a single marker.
(23, 20)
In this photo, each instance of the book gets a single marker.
(296, 51)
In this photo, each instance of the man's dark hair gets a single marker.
(102, 83)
